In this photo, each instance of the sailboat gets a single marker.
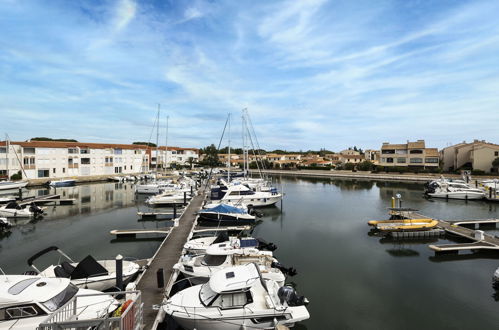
(7, 184)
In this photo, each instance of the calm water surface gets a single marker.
(353, 280)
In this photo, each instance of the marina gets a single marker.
(284, 228)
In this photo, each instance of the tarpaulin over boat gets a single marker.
(224, 208)
(88, 267)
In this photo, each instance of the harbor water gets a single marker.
(353, 279)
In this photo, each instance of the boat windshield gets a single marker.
(61, 298)
(213, 260)
(207, 295)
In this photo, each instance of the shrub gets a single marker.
(365, 166)
(477, 172)
(349, 166)
(17, 176)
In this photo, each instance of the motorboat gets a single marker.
(155, 187)
(88, 273)
(452, 190)
(199, 268)
(14, 210)
(26, 301)
(7, 199)
(62, 183)
(241, 193)
(169, 197)
(200, 244)
(404, 225)
(6, 185)
(238, 297)
(491, 184)
(223, 213)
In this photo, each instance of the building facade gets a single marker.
(166, 157)
(410, 154)
(52, 159)
(476, 155)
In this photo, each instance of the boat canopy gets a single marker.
(224, 208)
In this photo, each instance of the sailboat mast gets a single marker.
(228, 172)
(157, 141)
(166, 143)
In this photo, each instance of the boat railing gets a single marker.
(66, 317)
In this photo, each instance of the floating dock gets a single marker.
(167, 255)
(135, 232)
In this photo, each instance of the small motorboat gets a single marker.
(14, 210)
(26, 301)
(237, 297)
(6, 185)
(169, 198)
(226, 213)
(199, 245)
(199, 268)
(452, 190)
(404, 225)
(89, 273)
(62, 183)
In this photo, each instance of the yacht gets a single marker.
(241, 193)
(154, 187)
(6, 185)
(88, 273)
(237, 298)
(26, 301)
(199, 268)
(200, 244)
(225, 213)
(452, 190)
(14, 210)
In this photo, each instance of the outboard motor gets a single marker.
(264, 245)
(35, 209)
(288, 271)
(288, 294)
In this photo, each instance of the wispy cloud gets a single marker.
(312, 73)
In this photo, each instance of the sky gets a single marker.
(312, 74)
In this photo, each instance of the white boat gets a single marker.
(199, 268)
(26, 301)
(240, 193)
(155, 187)
(237, 298)
(495, 279)
(491, 184)
(89, 273)
(14, 210)
(453, 190)
(199, 245)
(169, 197)
(62, 183)
(5, 185)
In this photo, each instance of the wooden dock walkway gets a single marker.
(166, 257)
(485, 242)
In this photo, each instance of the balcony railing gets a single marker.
(73, 165)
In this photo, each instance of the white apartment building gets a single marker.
(173, 155)
(53, 159)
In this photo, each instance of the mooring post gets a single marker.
(192, 191)
(185, 198)
(393, 202)
(160, 277)
(174, 211)
(20, 193)
(119, 272)
(490, 193)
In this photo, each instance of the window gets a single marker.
(29, 151)
(390, 151)
(416, 160)
(85, 161)
(118, 151)
(401, 160)
(131, 167)
(433, 160)
(43, 173)
(496, 153)
(20, 312)
(3, 150)
(84, 151)
(63, 170)
(53, 170)
(21, 286)
(72, 151)
(233, 300)
(389, 160)
(416, 151)
(61, 298)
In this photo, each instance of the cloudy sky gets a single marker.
(313, 74)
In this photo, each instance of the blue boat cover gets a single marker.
(224, 208)
(248, 242)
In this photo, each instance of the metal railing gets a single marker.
(66, 317)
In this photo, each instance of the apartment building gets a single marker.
(53, 159)
(372, 156)
(166, 156)
(476, 155)
(410, 154)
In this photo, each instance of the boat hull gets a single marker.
(12, 185)
(253, 201)
(457, 195)
(66, 183)
(226, 218)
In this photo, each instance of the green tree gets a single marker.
(211, 156)
(149, 144)
(365, 166)
(17, 176)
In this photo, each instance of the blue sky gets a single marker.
(312, 74)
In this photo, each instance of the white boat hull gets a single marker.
(14, 213)
(6, 185)
(253, 201)
(457, 195)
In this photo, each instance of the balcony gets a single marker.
(109, 164)
(29, 167)
(73, 165)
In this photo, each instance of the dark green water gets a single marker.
(353, 280)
